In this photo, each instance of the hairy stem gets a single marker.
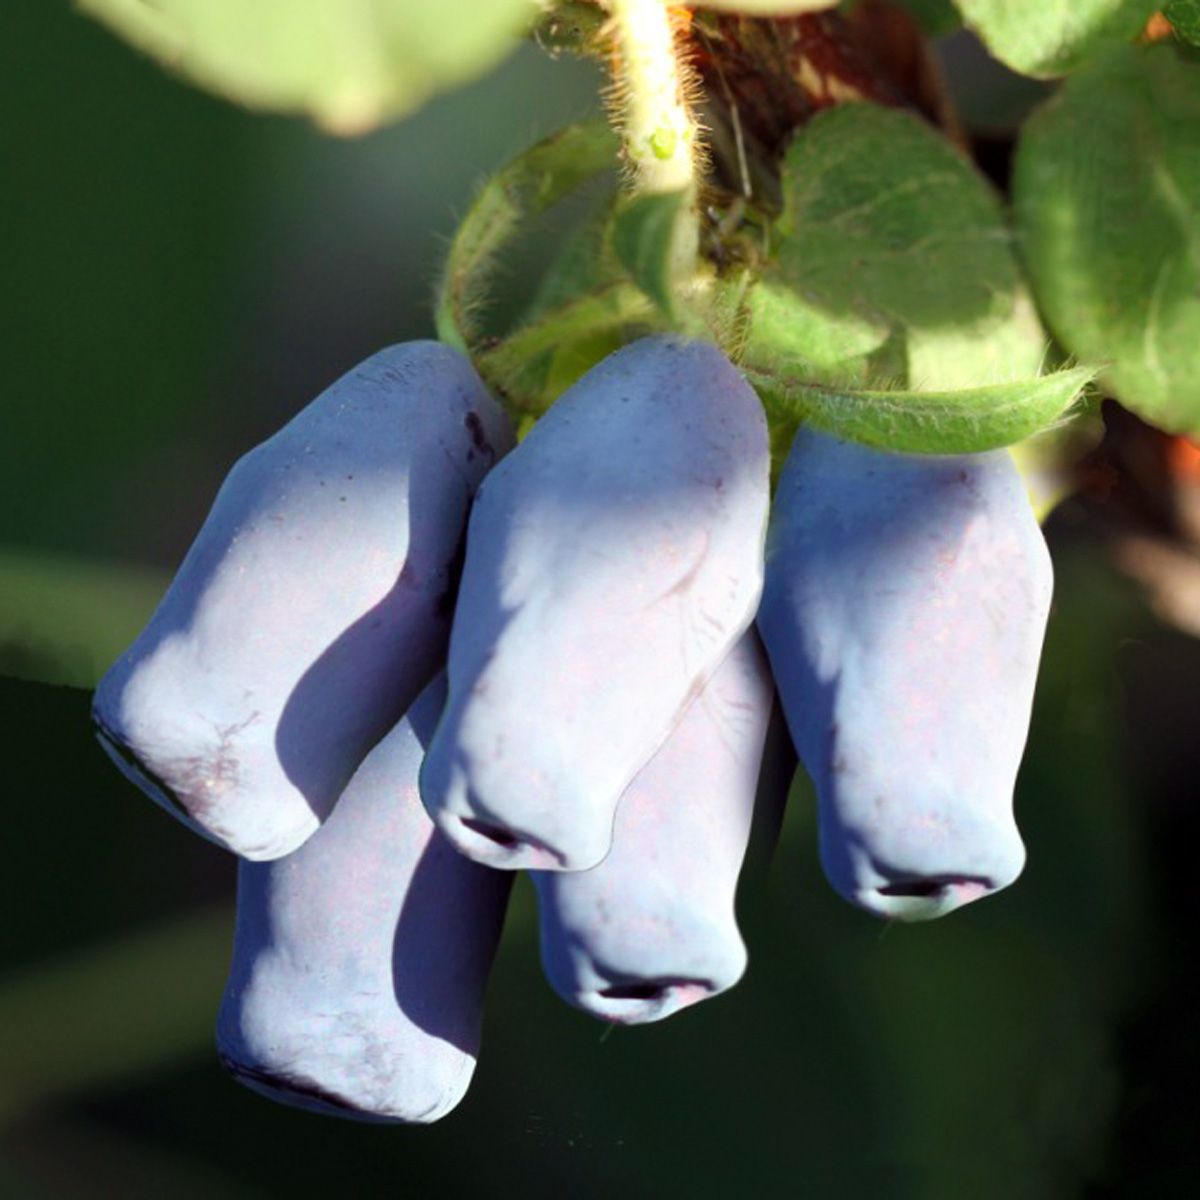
(650, 96)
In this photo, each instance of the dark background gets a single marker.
(178, 278)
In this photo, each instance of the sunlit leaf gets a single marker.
(1107, 189)
(965, 421)
(894, 269)
(889, 234)
(1045, 37)
(349, 64)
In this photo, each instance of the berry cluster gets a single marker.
(593, 596)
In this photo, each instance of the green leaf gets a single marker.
(583, 262)
(645, 232)
(535, 364)
(525, 187)
(833, 347)
(1184, 16)
(1107, 191)
(893, 265)
(1045, 38)
(349, 64)
(965, 421)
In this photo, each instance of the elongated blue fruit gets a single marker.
(651, 929)
(360, 961)
(904, 610)
(313, 606)
(612, 561)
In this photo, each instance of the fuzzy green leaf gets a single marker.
(349, 64)
(530, 184)
(536, 363)
(1045, 38)
(893, 265)
(964, 421)
(1107, 189)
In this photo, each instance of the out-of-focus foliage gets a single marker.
(64, 620)
(1042, 38)
(1184, 15)
(160, 980)
(181, 275)
(937, 17)
(1107, 190)
(349, 64)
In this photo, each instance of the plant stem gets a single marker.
(659, 132)
(650, 94)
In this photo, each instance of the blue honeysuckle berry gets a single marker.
(652, 929)
(360, 961)
(904, 611)
(312, 607)
(612, 561)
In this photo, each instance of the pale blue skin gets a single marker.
(360, 961)
(651, 930)
(904, 611)
(612, 561)
(313, 606)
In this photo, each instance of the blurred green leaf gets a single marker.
(349, 64)
(1184, 16)
(894, 269)
(1107, 191)
(959, 422)
(65, 620)
(112, 1011)
(1046, 39)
